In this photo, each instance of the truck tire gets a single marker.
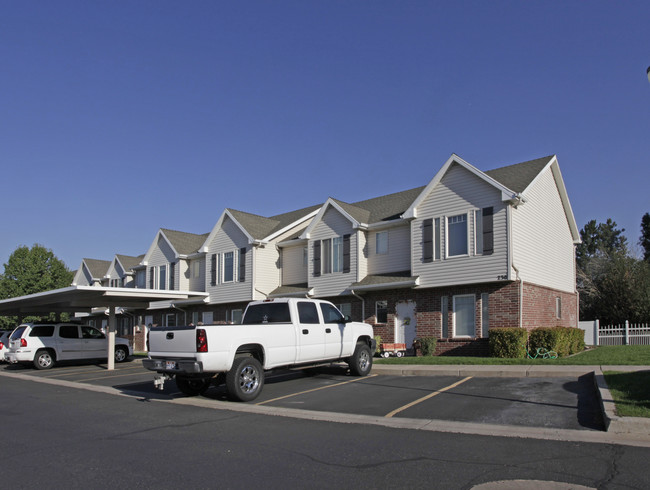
(192, 386)
(361, 361)
(44, 359)
(245, 379)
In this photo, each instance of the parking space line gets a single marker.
(315, 389)
(115, 375)
(430, 395)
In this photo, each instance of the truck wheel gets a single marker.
(361, 361)
(43, 359)
(192, 386)
(245, 379)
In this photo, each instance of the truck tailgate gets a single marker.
(177, 340)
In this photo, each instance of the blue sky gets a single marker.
(123, 117)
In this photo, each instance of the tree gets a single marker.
(644, 241)
(599, 239)
(29, 271)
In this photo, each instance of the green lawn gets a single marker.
(617, 355)
(631, 392)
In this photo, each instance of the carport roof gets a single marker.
(84, 298)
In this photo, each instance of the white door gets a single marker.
(405, 323)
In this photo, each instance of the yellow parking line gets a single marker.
(430, 395)
(315, 389)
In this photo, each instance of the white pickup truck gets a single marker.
(275, 333)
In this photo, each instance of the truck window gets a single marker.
(331, 314)
(267, 313)
(307, 312)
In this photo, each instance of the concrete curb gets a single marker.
(613, 423)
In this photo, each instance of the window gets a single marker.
(457, 235)
(141, 279)
(195, 317)
(345, 309)
(196, 268)
(162, 277)
(381, 243)
(305, 256)
(267, 313)
(68, 332)
(381, 311)
(464, 316)
(228, 267)
(307, 312)
(170, 319)
(91, 333)
(331, 314)
(40, 331)
(558, 307)
(332, 255)
(235, 317)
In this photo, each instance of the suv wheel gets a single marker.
(121, 353)
(43, 359)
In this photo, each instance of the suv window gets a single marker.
(18, 333)
(91, 333)
(267, 313)
(42, 331)
(68, 332)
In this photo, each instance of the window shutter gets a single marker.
(488, 231)
(242, 264)
(172, 274)
(346, 253)
(317, 258)
(213, 270)
(151, 277)
(427, 240)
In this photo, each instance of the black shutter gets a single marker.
(488, 231)
(427, 240)
(213, 270)
(317, 258)
(151, 273)
(172, 274)
(346, 253)
(242, 264)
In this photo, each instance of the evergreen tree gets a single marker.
(644, 241)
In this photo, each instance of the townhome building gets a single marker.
(92, 272)
(469, 251)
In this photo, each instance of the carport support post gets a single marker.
(112, 321)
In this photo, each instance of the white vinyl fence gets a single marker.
(623, 334)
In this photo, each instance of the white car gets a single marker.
(4, 343)
(45, 344)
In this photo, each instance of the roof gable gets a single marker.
(518, 177)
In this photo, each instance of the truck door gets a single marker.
(335, 333)
(311, 333)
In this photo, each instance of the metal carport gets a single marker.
(83, 298)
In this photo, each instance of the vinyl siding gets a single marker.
(543, 249)
(460, 192)
(333, 224)
(293, 269)
(162, 254)
(182, 281)
(398, 257)
(267, 266)
(229, 238)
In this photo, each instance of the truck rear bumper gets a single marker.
(173, 366)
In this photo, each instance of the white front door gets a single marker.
(405, 323)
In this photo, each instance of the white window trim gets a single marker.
(467, 224)
(455, 335)
(223, 267)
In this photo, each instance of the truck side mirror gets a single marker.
(347, 319)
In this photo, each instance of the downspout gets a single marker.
(363, 304)
(521, 296)
(512, 263)
(184, 313)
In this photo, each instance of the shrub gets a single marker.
(563, 340)
(427, 345)
(378, 340)
(508, 342)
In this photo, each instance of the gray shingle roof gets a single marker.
(98, 268)
(184, 243)
(383, 208)
(519, 176)
(260, 227)
(129, 262)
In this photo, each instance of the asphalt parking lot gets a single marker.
(556, 403)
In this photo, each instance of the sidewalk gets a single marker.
(613, 423)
